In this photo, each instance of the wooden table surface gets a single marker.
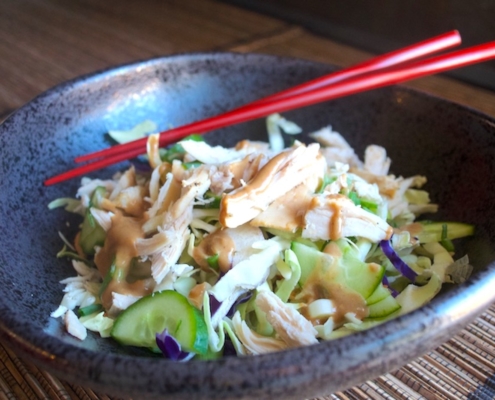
(44, 43)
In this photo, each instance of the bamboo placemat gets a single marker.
(45, 43)
(462, 368)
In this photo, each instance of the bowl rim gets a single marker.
(64, 359)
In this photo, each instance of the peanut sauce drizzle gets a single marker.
(218, 242)
(120, 249)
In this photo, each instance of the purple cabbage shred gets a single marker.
(214, 304)
(386, 283)
(141, 166)
(171, 348)
(242, 299)
(396, 261)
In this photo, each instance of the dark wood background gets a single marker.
(379, 26)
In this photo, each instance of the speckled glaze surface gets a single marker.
(452, 145)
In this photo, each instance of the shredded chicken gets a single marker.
(244, 170)
(74, 326)
(280, 175)
(335, 148)
(254, 342)
(165, 231)
(127, 179)
(166, 246)
(152, 150)
(88, 186)
(387, 184)
(287, 212)
(290, 325)
(367, 191)
(331, 217)
(336, 186)
(131, 200)
(376, 160)
(103, 218)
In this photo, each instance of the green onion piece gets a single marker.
(176, 151)
(88, 310)
(212, 204)
(327, 180)
(444, 232)
(191, 165)
(369, 205)
(108, 278)
(354, 197)
(73, 256)
(365, 204)
(448, 244)
(213, 261)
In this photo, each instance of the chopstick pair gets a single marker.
(378, 72)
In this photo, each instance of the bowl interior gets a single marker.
(452, 145)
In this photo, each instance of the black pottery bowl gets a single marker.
(452, 145)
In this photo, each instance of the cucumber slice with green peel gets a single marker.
(348, 270)
(362, 277)
(439, 231)
(309, 258)
(152, 314)
(98, 196)
(92, 234)
(379, 294)
(383, 308)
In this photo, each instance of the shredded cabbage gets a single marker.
(340, 251)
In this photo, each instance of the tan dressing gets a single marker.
(414, 229)
(346, 301)
(131, 201)
(137, 288)
(320, 285)
(196, 295)
(152, 149)
(257, 185)
(287, 212)
(245, 169)
(120, 249)
(218, 242)
(335, 228)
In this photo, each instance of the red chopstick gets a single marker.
(414, 51)
(417, 50)
(372, 80)
(358, 84)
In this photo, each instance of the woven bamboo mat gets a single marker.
(45, 43)
(462, 368)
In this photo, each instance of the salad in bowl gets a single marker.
(213, 251)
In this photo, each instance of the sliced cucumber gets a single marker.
(349, 270)
(362, 277)
(383, 308)
(379, 294)
(310, 258)
(92, 234)
(439, 231)
(139, 324)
